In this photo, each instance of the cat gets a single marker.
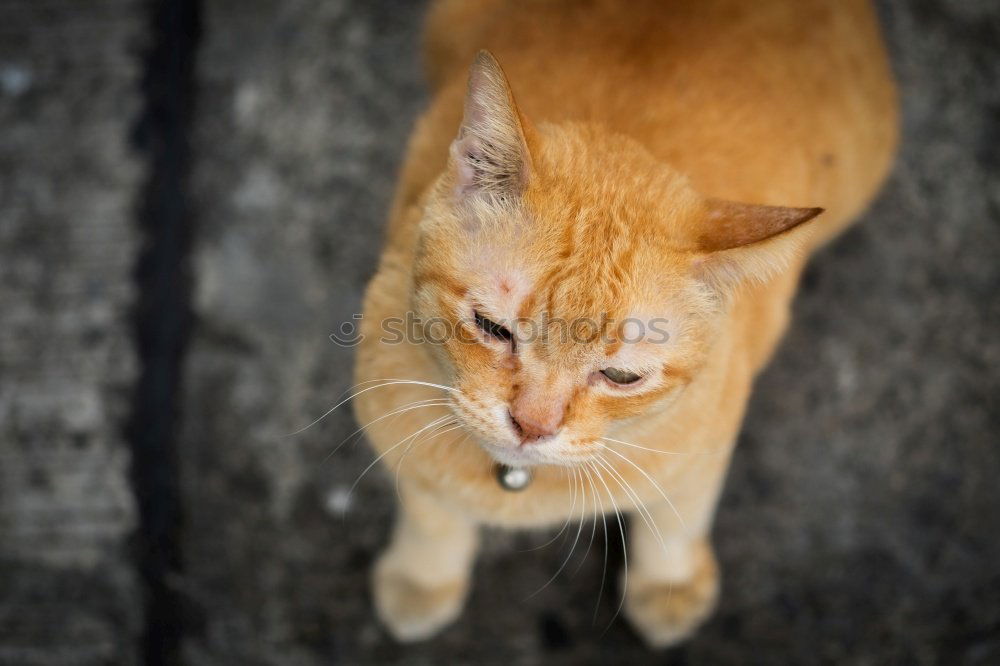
(638, 167)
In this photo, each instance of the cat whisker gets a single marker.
(621, 527)
(583, 517)
(561, 530)
(641, 509)
(593, 529)
(583, 509)
(569, 517)
(408, 381)
(604, 570)
(436, 422)
(442, 428)
(654, 484)
(384, 383)
(569, 555)
(433, 402)
(644, 448)
(445, 427)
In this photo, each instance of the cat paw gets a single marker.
(414, 611)
(665, 614)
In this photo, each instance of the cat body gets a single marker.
(648, 162)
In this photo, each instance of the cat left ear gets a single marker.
(746, 242)
(490, 154)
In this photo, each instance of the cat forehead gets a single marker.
(514, 269)
(509, 291)
(498, 282)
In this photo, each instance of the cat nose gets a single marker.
(535, 424)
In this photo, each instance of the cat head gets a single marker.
(584, 279)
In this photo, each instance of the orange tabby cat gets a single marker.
(653, 170)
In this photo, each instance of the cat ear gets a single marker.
(490, 155)
(747, 242)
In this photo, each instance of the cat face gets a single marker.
(582, 280)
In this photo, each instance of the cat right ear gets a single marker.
(490, 155)
(743, 242)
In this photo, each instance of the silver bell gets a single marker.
(513, 478)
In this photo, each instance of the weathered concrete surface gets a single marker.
(68, 96)
(859, 521)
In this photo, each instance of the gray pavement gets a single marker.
(68, 98)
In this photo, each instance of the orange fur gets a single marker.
(602, 184)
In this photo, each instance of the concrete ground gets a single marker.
(68, 242)
(859, 521)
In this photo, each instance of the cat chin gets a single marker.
(530, 455)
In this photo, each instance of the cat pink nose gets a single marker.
(532, 425)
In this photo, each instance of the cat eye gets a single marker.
(619, 376)
(491, 328)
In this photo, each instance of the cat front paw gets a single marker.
(664, 613)
(411, 610)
